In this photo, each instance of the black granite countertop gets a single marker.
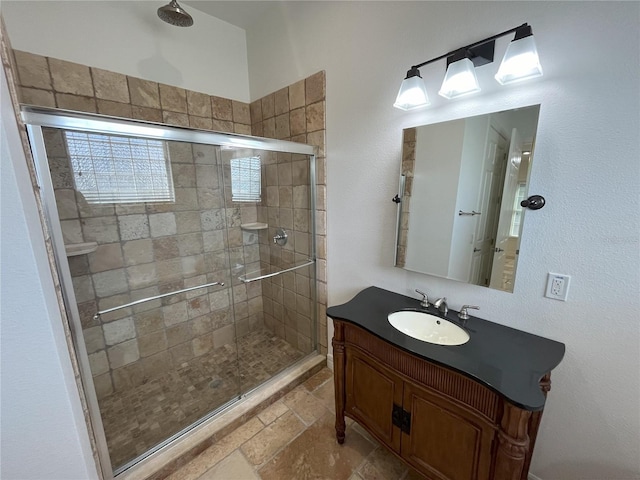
(509, 361)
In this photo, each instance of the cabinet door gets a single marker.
(372, 389)
(446, 441)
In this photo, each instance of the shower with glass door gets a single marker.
(187, 261)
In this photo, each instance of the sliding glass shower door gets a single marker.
(144, 225)
(188, 269)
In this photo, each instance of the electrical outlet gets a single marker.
(557, 286)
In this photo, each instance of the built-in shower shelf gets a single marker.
(74, 249)
(254, 226)
(272, 271)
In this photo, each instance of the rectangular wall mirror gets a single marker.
(459, 215)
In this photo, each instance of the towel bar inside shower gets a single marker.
(244, 278)
(148, 299)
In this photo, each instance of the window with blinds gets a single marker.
(245, 179)
(112, 169)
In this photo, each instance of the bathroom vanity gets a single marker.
(463, 412)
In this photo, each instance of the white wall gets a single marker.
(128, 37)
(43, 433)
(586, 165)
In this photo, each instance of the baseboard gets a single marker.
(531, 476)
(330, 366)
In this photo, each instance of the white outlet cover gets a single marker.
(561, 293)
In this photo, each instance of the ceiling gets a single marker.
(238, 12)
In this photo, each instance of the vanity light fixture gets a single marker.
(520, 62)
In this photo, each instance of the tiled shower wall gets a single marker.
(144, 250)
(55, 83)
(295, 113)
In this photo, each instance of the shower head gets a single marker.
(174, 14)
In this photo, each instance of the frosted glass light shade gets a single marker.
(520, 62)
(459, 80)
(412, 93)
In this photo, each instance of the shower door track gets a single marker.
(36, 118)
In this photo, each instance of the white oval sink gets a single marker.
(428, 328)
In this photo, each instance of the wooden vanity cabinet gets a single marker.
(443, 424)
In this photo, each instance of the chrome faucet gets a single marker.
(441, 305)
(464, 313)
(424, 303)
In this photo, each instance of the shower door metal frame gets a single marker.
(37, 118)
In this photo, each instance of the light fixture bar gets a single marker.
(473, 45)
(520, 62)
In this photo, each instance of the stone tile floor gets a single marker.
(294, 439)
(141, 417)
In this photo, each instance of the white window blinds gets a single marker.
(111, 169)
(245, 179)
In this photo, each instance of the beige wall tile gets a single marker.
(141, 276)
(123, 354)
(34, 96)
(103, 385)
(114, 109)
(173, 98)
(222, 126)
(242, 129)
(315, 117)
(144, 93)
(137, 251)
(175, 118)
(202, 123)
(241, 113)
(281, 104)
(110, 282)
(198, 104)
(255, 109)
(128, 376)
(106, 257)
(317, 139)
(66, 203)
(110, 85)
(202, 344)
(221, 108)
(178, 334)
(93, 339)
(298, 121)
(118, 331)
(269, 127)
(133, 227)
(146, 113)
(268, 106)
(181, 353)
(153, 343)
(297, 95)
(71, 77)
(257, 129)
(282, 126)
(315, 88)
(75, 102)
(174, 314)
(33, 70)
(224, 336)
